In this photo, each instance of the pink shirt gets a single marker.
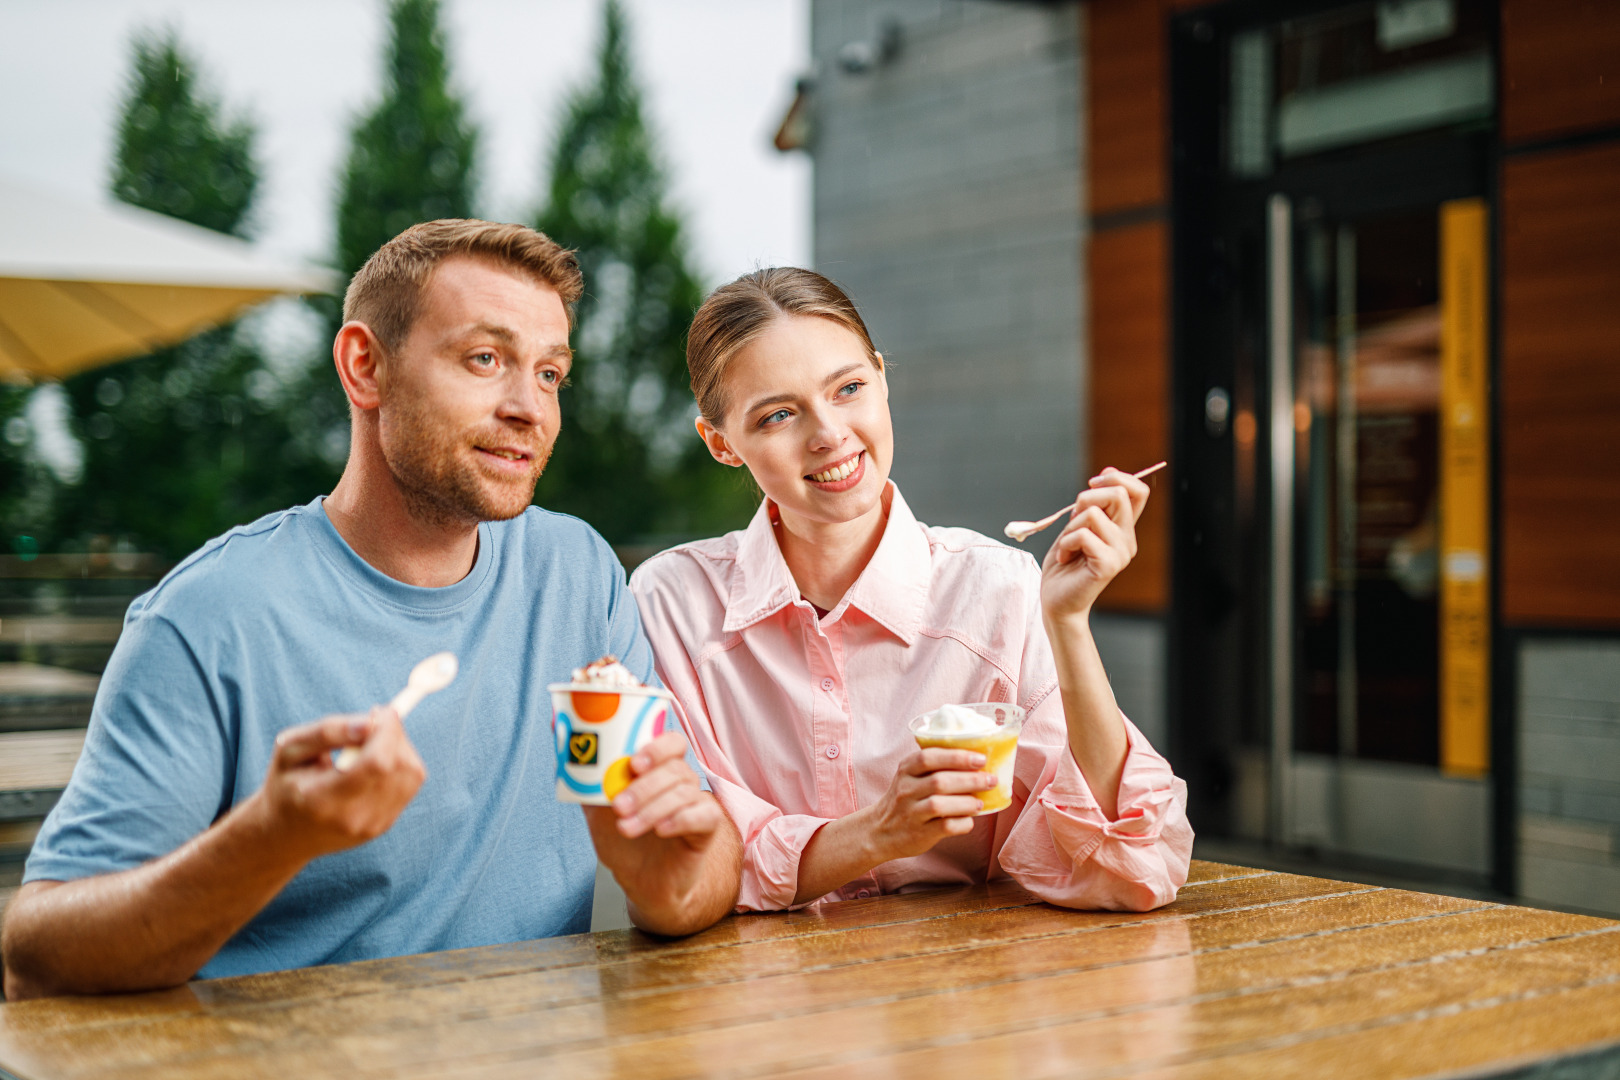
(800, 720)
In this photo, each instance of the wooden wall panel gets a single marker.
(1560, 67)
(1560, 387)
(1128, 141)
(1130, 392)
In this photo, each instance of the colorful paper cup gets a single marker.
(598, 730)
(1000, 748)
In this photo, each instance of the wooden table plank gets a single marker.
(696, 987)
(1248, 971)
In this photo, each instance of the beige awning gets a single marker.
(83, 284)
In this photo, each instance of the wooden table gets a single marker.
(1249, 973)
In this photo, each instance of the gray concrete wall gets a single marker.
(1569, 773)
(947, 201)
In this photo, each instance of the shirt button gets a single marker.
(832, 751)
(826, 684)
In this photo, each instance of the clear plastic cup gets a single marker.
(1000, 747)
(598, 730)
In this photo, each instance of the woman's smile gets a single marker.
(841, 475)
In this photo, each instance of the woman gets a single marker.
(800, 647)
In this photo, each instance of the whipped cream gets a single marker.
(607, 673)
(956, 720)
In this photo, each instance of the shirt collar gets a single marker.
(892, 590)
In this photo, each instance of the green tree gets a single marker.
(181, 444)
(412, 158)
(26, 486)
(627, 459)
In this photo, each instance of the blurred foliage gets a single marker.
(183, 443)
(27, 489)
(627, 459)
(412, 158)
(177, 154)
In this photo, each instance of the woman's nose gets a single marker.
(828, 432)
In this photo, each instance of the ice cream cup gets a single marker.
(1000, 747)
(599, 728)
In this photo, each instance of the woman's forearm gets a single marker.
(840, 851)
(1097, 739)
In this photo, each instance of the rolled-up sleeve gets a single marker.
(1061, 846)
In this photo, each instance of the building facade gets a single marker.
(1347, 266)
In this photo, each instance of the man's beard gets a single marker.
(440, 484)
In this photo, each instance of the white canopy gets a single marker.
(83, 284)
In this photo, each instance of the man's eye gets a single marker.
(484, 359)
(779, 414)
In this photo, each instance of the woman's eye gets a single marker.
(850, 388)
(779, 414)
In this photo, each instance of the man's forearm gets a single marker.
(710, 894)
(152, 926)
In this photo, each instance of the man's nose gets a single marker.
(521, 397)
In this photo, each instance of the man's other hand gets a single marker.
(668, 843)
(319, 808)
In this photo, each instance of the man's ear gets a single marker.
(715, 440)
(358, 356)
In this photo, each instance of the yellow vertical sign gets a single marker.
(1464, 492)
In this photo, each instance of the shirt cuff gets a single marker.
(770, 876)
(1147, 796)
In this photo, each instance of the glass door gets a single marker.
(1331, 631)
(1379, 657)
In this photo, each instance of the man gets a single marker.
(206, 828)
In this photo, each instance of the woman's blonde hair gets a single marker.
(735, 314)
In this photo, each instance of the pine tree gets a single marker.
(413, 158)
(627, 459)
(185, 442)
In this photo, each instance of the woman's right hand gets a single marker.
(932, 796)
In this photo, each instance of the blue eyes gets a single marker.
(849, 389)
(484, 359)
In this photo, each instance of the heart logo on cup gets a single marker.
(582, 748)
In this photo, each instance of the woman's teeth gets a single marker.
(837, 472)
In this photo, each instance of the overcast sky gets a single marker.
(718, 76)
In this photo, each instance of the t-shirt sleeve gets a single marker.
(157, 763)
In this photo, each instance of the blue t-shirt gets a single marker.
(279, 623)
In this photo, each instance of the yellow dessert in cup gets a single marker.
(990, 728)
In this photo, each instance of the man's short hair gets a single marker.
(386, 292)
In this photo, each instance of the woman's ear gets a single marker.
(882, 372)
(715, 440)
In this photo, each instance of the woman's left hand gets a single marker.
(1097, 543)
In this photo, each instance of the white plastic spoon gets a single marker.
(1019, 531)
(429, 677)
